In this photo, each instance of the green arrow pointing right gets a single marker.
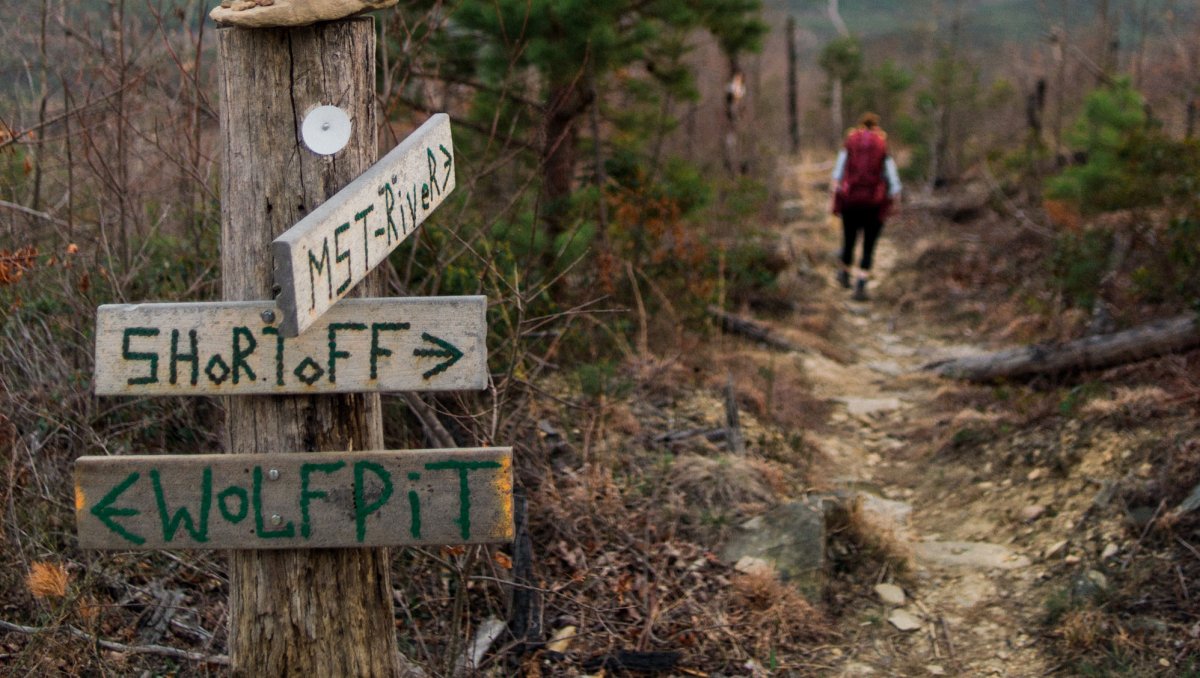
(445, 350)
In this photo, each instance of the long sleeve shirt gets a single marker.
(889, 172)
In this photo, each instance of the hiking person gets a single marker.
(866, 183)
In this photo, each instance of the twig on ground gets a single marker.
(160, 650)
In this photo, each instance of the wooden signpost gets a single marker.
(233, 348)
(287, 501)
(324, 255)
(304, 499)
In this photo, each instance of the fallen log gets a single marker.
(1161, 337)
(734, 324)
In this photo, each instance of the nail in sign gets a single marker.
(326, 253)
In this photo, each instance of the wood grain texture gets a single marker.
(276, 501)
(226, 348)
(322, 257)
(280, 622)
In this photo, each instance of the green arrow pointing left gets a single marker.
(105, 512)
(445, 350)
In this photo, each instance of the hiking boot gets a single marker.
(860, 290)
(843, 278)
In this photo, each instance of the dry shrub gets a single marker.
(1129, 403)
(726, 480)
(861, 544)
(47, 580)
(1084, 630)
(1063, 214)
(782, 619)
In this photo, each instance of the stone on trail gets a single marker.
(754, 566)
(1110, 550)
(789, 539)
(862, 407)
(1032, 513)
(969, 554)
(278, 13)
(904, 620)
(1054, 550)
(890, 594)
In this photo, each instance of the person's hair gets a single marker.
(869, 120)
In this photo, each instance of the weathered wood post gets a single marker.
(325, 612)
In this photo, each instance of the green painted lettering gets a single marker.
(389, 204)
(410, 199)
(341, 256)
(362, 216)
(414, 506)
(177, 357)
(104, 511)
(217, 369)
(286, 532)
(318, 266)
(376, 350)
(152, 358)
(334, 354)
(446, 165)
(240, 354)
(425, 196)
(307, 495)
(271, 331)
(362, 509)
(234, 517)
(464, 469)
(431, 164)
(171, 523)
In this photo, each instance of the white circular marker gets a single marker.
(326, 130)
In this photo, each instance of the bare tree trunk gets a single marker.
(835, 94)
(298, 612)
(792, 89)
(559, 157)
(835, 112)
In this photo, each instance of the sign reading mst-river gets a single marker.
(320, 258)
(269, 501)
(234, 348)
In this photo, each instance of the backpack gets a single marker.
(863, 183)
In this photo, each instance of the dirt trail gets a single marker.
(969, 605)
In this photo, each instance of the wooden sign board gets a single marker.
(324, 255)
(289, 501)
(236, 348)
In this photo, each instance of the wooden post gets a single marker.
(312, 612)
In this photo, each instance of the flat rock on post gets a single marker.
(281, 13)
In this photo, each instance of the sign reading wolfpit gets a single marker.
(313, 500)
(320, 258)
(236, 348)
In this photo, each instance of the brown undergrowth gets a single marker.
(1114, 451)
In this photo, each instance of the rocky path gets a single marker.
(967, 606)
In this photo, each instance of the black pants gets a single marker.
(868, 221)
